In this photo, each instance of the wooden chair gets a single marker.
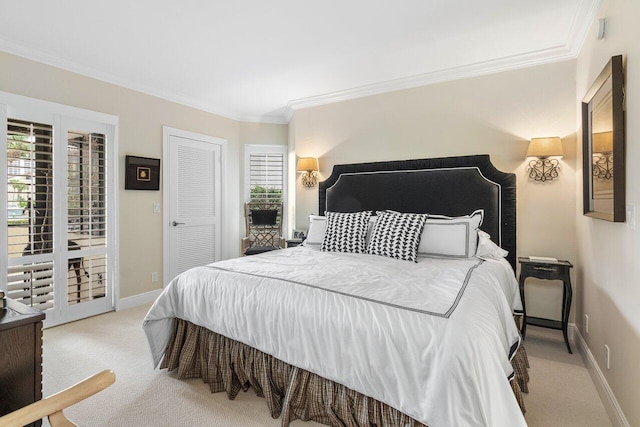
(263, 224)
(53, 405)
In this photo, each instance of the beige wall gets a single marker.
(258, 134)
(495, 114)
(141, 119)
(609, 253)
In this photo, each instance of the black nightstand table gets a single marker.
(292, 243)
(550, 271)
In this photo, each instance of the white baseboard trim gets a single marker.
(137, 300)
(606, 394)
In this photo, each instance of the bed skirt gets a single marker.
(230, 366)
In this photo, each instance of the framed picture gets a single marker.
(298, 234)
(141, 173)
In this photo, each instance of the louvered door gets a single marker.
(194, 203)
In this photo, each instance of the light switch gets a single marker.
(156, 208)
(631, 216)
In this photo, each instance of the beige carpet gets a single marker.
(561, 390)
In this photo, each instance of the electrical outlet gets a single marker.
(607, 356)
(586, 323)
(154, 276)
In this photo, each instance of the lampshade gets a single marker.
(602, 142)
(307, 164)
(545, 147)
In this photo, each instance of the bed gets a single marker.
(362, 339)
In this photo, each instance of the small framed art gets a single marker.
(141, 173)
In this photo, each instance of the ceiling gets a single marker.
(254, 60)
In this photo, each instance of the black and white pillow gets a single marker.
(397, 235)
(346, 232)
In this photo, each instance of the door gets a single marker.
(87, 201)
(193, 194)
(59, 251)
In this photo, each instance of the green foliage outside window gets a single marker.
(260, 193)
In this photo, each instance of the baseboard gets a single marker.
(606, 394)
(138, 300)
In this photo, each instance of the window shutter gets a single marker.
(30, 211)
(266, 177)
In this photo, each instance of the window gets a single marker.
(265, 173)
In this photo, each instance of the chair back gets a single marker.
(263, 222)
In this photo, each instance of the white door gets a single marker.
(193, 194)
(59, 171)
(85, 217)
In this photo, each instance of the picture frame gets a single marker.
(603, 145)
(299, 234)
(141, 173)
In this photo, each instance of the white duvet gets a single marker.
(432, 339)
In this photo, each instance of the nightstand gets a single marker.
(21, 344)
(292, 243)
(549, 271)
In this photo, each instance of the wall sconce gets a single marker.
(602, 148)
(308, 165)
(543, 168)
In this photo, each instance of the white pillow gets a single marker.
(487, 249)
(317, 230)
(372, 222)
(451, 237)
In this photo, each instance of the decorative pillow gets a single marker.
(346, 232)
(396, 235)
(487, 249)
(451, 237)
(317, 228)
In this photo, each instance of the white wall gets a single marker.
(496, 114)
(609, 253)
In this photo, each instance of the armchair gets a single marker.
(263, 224)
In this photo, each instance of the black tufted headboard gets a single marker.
(448, 186)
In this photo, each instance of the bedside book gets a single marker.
(543, 259)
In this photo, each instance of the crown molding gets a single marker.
(555, 54)
(267, 119)
(48, 59)
(581, 23)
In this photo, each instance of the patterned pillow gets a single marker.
(346, 232)
(397, 235)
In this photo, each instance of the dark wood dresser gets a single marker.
(20, 356)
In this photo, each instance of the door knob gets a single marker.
(176, 223)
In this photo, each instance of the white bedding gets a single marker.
(432, 339)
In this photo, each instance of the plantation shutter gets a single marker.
(57, 250)
(30, 213)
(87, 222)
(266, 177)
